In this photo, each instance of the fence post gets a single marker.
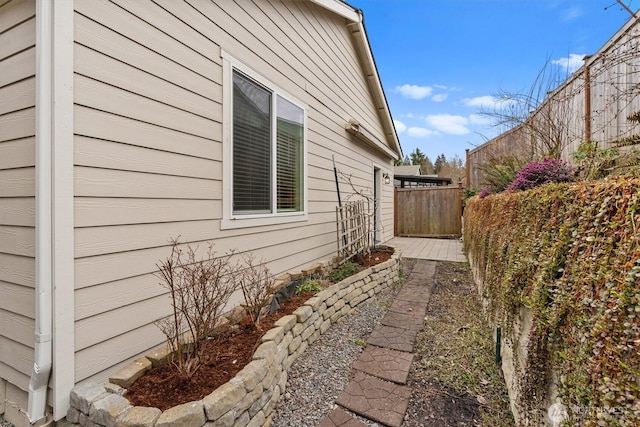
(395, 211)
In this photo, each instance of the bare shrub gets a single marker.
(257, 286)
(199, 290)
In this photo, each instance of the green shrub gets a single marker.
(345, 270)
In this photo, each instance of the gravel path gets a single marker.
(318, 376)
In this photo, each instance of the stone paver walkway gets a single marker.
(378, 389)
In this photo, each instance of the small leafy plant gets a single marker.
(309, 285)
(345, 270)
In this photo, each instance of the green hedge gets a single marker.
(571, 253)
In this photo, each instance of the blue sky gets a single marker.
(440, 60)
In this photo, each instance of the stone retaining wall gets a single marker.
(514, 353)
(249, 398)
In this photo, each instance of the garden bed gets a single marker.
(251, 392)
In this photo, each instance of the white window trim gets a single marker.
(229, 220)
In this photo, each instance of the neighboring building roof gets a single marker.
(420, 180)
(358, 31)
(407, 170)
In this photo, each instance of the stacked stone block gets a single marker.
(249, 398)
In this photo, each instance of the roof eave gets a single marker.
(359, 34)
(339, 8)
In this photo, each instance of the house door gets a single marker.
(377, 217)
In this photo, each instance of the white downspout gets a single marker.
(42, 365)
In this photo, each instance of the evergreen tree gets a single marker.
(427, 166)
(417, 157)
(441, 160)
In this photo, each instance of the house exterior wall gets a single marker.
(17, 201)
(148, 122)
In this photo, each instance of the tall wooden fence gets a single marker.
(594, 104)
(428, 212)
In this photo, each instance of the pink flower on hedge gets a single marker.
(540, 173)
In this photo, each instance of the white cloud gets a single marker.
(400, 127)
(570, 64)
(448, 123)
(486, 101)
(479, 119)
(439, 97)
(440, 87)
(414, 91)
(420, 132)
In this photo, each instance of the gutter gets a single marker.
(43, 343)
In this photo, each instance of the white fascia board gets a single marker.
(340, 8)
(359, 35)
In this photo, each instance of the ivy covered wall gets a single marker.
(570, 253)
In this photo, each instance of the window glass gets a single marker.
(289, 155)
(259, 152)
(251, 146)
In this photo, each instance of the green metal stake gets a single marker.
(498, 345)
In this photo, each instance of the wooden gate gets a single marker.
(428, 212)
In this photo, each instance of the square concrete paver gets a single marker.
(378, 400)
(395, 338)
(424, 270)
(340, 418)
(385, 363)
(414, 293)
(409, 307)
(405, 321)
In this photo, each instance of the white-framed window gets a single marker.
(264, 150)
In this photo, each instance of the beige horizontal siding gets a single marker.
(16, 356)
(99, 153)
(17, 299)
(17, 153)
(90, 331)
(16, 327)
(19, 182)
(18, 240)
(20, 38)
(19, 66)
(18, 211)
(96, 363)
(117, 183)
(17, 96)
(14, 376)
(101, 96)
(17, 190)
(101, 211)
(15, 12)
(112, 127)
(17, 124)
(19, 270)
